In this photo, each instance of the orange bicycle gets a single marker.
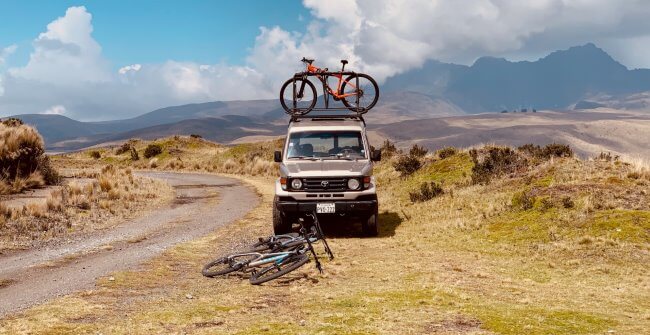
(358, 92)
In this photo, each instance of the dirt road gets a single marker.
(203, 203)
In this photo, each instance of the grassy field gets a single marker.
(556, 247)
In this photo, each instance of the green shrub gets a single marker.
(406, 165)
(124, 148)
(557, 150)
(388, 149)
(427, 192)
(446, 152)
(152, 150)
(134, 154)
(95, 154)
(522, 200)
(418, 151)
(546, 152)
(492, 162)
(567, 202)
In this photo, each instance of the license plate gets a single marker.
(325, 207)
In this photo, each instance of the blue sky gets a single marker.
(101, 60)
(147, 31)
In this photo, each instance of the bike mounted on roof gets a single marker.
(358, 92)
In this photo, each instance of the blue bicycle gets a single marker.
(275, 256)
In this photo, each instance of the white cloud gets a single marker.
(6, 52)
(55, 110)
(66, 68)
(129, 68)
(381, 37)
(385, 37)
(66, 53)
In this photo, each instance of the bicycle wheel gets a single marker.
(221, 266)
(304, 98)
(272, 242)
(366, 90)
(278, 270)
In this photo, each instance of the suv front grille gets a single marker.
(325, 184)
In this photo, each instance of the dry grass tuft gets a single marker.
(112, 194)
(22, 158)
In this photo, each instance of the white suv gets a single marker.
(326, 167)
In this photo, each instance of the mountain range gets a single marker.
(581, 77)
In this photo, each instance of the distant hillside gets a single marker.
(220, 129)
(556, 81)
(588, 132)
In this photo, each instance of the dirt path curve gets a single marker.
(203, 203)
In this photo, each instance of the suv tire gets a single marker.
(370, 226)
(280, 226)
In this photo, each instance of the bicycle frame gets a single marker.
(323, 76)
(262, 259)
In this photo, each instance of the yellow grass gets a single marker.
(182, 153)
(112, 195)
(466, 262)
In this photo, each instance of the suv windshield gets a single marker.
(333, 144)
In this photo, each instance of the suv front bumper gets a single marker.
(365, 206)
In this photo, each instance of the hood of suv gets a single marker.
(326, 167)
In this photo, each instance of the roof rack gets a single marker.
(351, 116)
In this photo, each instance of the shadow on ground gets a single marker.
(346, 228)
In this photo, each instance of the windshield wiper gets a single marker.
(304, 157)
(338, 156)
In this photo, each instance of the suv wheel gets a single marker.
(280, 225)
(370, 226)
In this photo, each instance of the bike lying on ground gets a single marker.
(358, 92)
(274, 256)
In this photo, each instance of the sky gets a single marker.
(102, 60)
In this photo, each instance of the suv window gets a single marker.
(335, 144)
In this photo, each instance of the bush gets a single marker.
(388, 149)
(418, 151)
(546, 152)
(134, 154)
(567, 202)
(406, 165)
(12, 122)
(152, 150)
(557, 150)
(427, 192)
(22, 158)
(195, 136)
(95, 154)
(522, 200)
(492, 162)
(124, 148)
(446, 152)
(50, 176)
(607, 157)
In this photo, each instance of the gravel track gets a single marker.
(202, 204)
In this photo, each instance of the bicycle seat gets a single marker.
(344, 61)
(307, 60)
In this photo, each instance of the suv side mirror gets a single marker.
(277, 156)
(375, 155)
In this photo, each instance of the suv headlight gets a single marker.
(353, 184)
(296, 184)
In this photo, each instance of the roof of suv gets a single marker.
(326, 124)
